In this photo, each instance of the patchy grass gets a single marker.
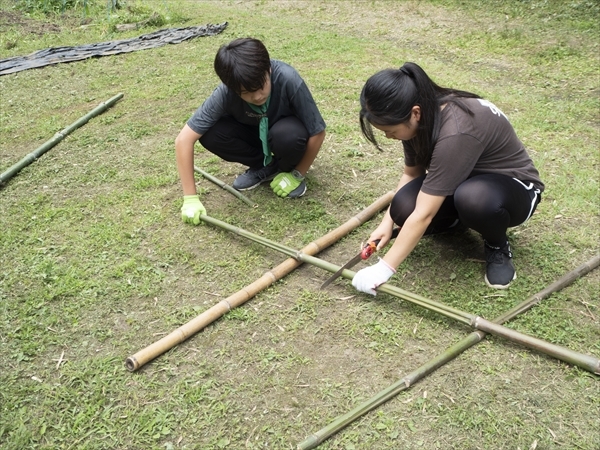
(95, 263)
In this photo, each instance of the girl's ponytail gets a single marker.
(388, 97)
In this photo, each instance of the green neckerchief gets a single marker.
(263, 128)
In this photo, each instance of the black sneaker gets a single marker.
(499, 268)
(251, 178)
(299, 191)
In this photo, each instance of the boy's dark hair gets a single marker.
(388, 97)
(243, 65)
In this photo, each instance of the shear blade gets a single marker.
(336, 275)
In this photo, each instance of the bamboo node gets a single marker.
(272, 275)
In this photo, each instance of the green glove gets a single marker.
(286, 182)
(192, 209)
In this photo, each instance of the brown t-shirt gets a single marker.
(473, 145)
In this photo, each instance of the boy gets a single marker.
(262, 115)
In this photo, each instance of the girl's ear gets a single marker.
(416, 112)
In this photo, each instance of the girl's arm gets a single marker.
(369, 278)
(384, 230)
(426, 208)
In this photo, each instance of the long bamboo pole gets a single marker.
(448, 355)
(463, 317)
(147, 354)
(587, 362)
(31, 157)
(225, 186)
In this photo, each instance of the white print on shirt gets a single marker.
(492, 107)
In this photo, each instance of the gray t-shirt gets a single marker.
(473, 145)
(289, 97)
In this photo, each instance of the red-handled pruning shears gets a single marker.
(364, 254)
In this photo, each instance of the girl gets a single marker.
(463, 162)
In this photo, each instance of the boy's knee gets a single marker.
(288, 134)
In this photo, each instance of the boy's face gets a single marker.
(259, 97)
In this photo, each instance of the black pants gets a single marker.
(236, 142)
(489, 204)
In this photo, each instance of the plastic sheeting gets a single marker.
(58, 55)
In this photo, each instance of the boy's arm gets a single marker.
(285, 182)
(313, 146)
(184, 154)
(192, 207)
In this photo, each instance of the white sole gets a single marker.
(500, 286)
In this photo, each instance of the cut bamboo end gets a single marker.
(131, 364)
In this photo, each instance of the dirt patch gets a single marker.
(25, 25)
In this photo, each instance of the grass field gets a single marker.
(95, 263)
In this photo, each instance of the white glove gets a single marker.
(368, 279)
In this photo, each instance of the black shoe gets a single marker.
(299, 191)
(499, 269)
(251, 178)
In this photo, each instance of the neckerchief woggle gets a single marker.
(263, 128)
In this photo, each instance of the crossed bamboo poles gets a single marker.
(589, 363)
(482, 326)
(187, 330)
(446, 356)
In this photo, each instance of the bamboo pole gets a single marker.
(463, 317)
(448, 355)
(589, 363)
(147, 354)
(225, 186)
(33, 156)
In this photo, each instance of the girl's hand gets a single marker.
(370, 278)
(383, 232)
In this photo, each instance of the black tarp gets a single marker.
(58, 55)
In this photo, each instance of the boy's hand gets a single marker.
(286, 182)
(192, 209)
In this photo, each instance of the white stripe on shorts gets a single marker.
(536, 192)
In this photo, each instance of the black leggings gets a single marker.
(489, 204)
(236, 142)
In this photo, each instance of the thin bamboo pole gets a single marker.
(147, 354)
(31, 157)
(589, 363)
(448, 355)
(225, 186)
